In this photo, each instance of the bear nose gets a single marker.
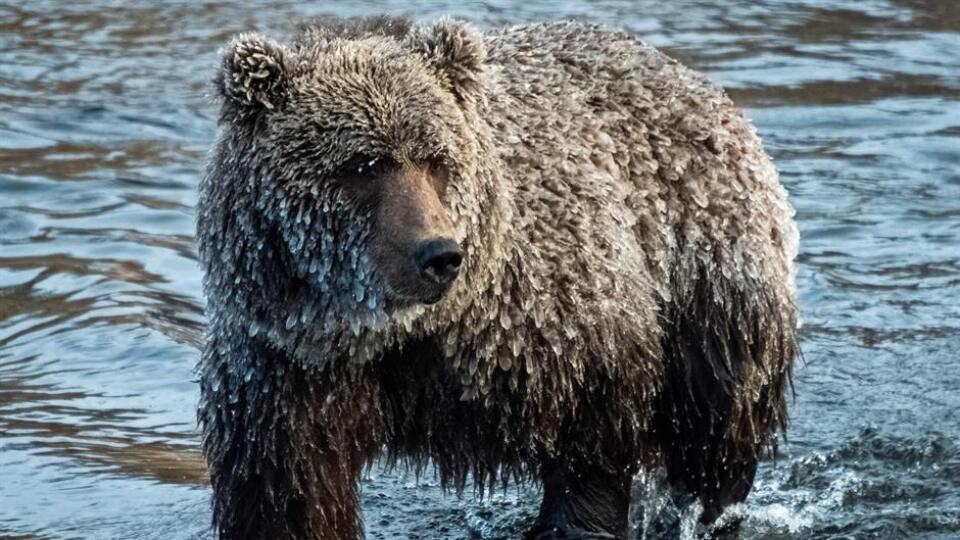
(439, 261)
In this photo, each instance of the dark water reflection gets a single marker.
(104, 125)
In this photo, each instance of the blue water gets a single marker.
(105, 121)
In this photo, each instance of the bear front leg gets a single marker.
(285, 463)
(283, 478)
(582, 502)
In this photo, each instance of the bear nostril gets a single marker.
(439, 261)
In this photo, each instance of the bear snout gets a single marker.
(438, 263)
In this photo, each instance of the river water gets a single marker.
(105, 121)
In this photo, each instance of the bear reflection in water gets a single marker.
(540, 253)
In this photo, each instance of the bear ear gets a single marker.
(456, 52)
(254, 73)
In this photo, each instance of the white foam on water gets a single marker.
(802, 510)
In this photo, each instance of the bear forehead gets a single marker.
(372, 73)
(365, 97)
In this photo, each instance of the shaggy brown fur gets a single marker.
(626, 297)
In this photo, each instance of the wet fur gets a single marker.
(627, 296)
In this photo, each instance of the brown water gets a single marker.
(104, 126)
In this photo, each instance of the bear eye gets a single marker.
(439, 172)
(366, 166)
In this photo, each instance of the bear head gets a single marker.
(351, 184)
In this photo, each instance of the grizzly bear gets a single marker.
(542, 253)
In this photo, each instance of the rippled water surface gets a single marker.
(104, 126)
